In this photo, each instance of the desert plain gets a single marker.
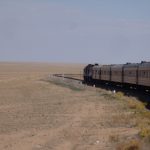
(38, 114)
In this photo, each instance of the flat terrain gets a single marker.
(38, 114)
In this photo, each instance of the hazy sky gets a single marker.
(82, 31)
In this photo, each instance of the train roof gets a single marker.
(117, 66)
(97, 67)
(144, 64)
(130, 65)
(106, 66)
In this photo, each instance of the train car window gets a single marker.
(133, 74)
(121, 72)
(129, 73)
(125, 73)
(143, 73)
(139, 73)
(146, 74)
(117, 73)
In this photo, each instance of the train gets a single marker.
(136, 75)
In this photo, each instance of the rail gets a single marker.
(78, 77)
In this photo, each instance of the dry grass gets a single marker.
(130, 145)
(114, 138)
(142, 116)
(145, 132)
(43, 115)
(135, 115)
(119, 96)
(109, 95)
(136, 105)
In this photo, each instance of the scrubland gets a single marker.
(42, 112)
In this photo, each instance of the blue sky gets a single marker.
(80, 31)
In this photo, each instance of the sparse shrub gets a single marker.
(113, 96)
(114, 138)
(134, 104)
(131, 145)
(146, 114)
(119, 95)
(108, 96)
(145, 132)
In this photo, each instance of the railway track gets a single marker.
(78, 77)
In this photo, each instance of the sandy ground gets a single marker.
(39, 115)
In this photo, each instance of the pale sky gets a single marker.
(77, 31)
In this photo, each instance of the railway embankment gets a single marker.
(130, 112)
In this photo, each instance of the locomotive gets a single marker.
(130, 74)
